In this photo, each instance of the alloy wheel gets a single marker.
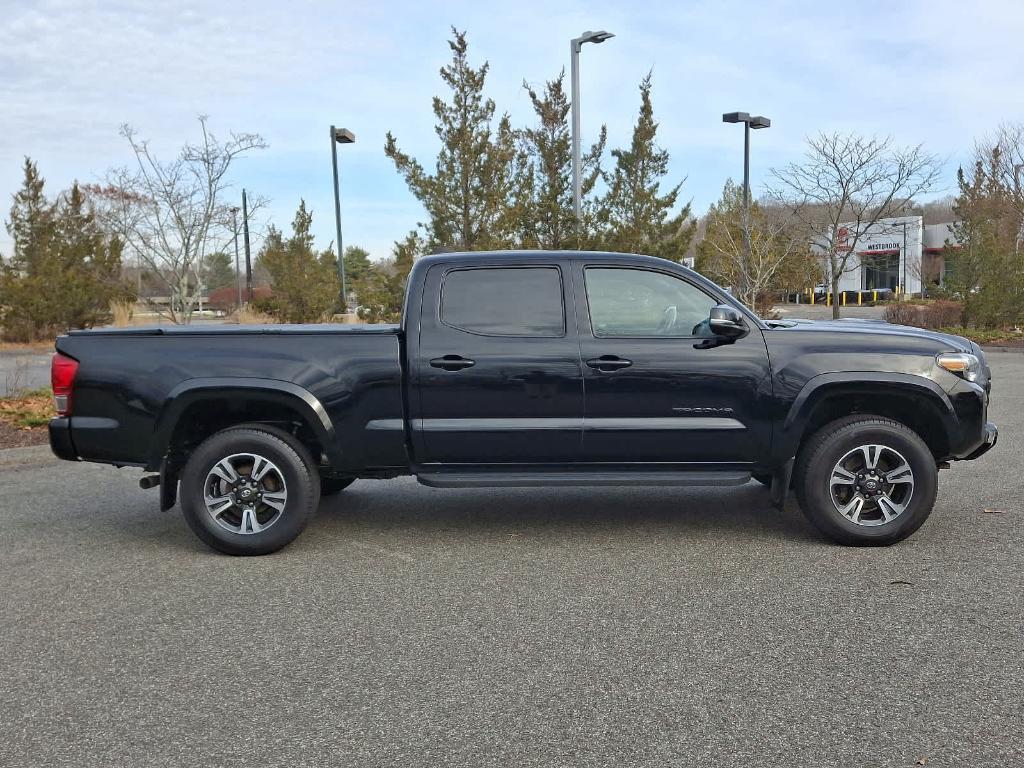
(245, 493)
(871, 485)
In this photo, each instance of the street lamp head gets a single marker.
(736, 117)
(344, 136)
(592, 37)
(760, 122)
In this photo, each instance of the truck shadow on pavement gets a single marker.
(405, 506)
(402, 510)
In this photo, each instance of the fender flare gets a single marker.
(824, 385)
(286, 393)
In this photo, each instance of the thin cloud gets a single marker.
(941, 73)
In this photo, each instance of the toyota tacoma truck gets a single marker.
(514, 369)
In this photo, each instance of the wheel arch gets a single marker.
(197, 408)
(914, 401)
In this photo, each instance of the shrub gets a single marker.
(943, 314)
(900, 313)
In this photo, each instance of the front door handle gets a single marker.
(609, 363)
(452, 362)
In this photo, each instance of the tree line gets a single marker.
(495, 186)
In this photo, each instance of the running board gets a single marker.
(452, 479)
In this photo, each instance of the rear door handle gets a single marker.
(452, 362)
(609, 363)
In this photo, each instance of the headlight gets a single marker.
(960, 363)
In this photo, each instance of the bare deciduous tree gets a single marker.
(845, 184)
(778, 248)
(172, 215)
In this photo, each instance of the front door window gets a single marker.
(639, 303)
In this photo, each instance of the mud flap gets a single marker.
(781, 479)
(168, 486)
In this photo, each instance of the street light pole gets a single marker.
(340, 136)
(746, 190)
(238, 270)
(749, 122)
(574, 73)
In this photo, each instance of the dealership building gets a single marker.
(900, 254)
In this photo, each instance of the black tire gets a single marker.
(819, 456)
(295, 466)
(332, 485)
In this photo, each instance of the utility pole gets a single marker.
(238, 270)
(248, 253)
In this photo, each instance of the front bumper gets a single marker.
(60, 439)
(990, 434)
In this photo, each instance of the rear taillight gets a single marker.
(62, 378)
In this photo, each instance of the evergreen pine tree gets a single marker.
(64, 271)
(220, 270)
(381, 290)
(30, 224)
(467, 196)
(357, 263)
(636, 215)
(305, 283)
(987, 270)
(548, 220)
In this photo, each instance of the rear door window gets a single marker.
(504, 301)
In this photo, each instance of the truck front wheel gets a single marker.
(866, 480)
(249, 490)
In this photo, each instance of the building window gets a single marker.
(881, 271)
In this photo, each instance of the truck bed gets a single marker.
(134, 386)
(217, 329)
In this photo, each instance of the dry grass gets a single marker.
(28, 346)
(29, 409)
(122, 313)
(249, 316)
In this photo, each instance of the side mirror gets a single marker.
(727, 322)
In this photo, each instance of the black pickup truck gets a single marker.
(529, 369)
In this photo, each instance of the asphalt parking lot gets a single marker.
(418, 627)
(20, 370)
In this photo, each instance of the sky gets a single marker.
(939, 72)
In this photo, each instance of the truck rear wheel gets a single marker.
(866, 480)
(249, 490)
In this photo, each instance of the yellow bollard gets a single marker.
(874, 296)
(844, 298)
(812, 295)
(828, 298)
(860, 295)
